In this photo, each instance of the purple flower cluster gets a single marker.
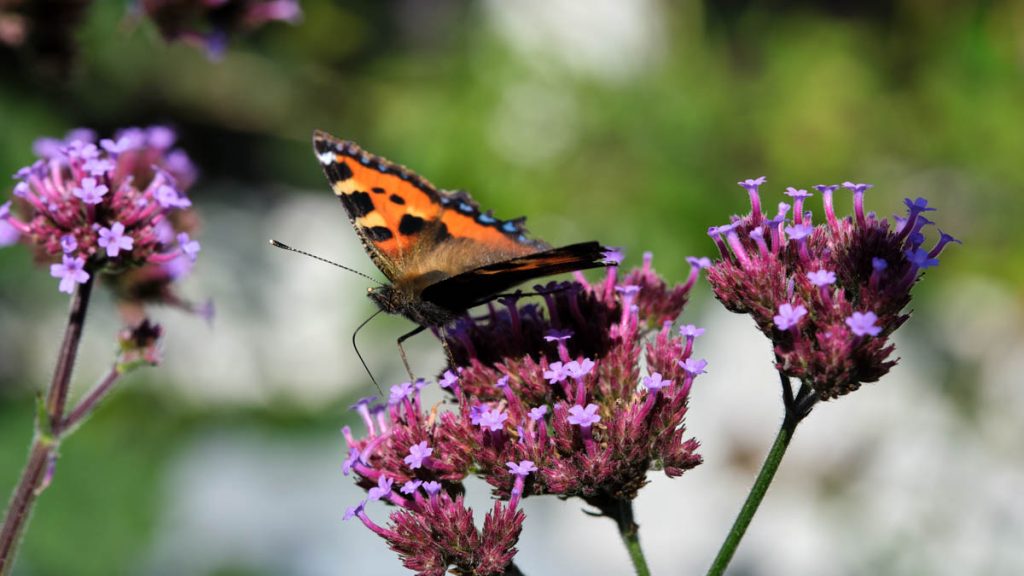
(115, 207)
(210, 23)
(828, 295)
(547, 401)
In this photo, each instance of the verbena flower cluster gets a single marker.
(830, 294)
(546, 400)
(116, 207)
(210, 23)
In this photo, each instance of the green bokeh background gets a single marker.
(632, 131)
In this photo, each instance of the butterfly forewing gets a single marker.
(413, 231)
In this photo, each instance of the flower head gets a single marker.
(808, 286)
(103, 206)
(566, 418)
(210, 24)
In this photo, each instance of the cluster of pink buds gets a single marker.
(115, 207)
(545, 400)
(828, 295)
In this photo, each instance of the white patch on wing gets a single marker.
(326, 158)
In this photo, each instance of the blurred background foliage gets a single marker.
(627, 122)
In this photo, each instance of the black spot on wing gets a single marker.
(378, 233)
(338, 171)
(358, 204)
(377, 190)
(396, 199)
(442, 232)
(410, 225)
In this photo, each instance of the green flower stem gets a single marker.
(797, 408)
(630, 533)
(49, 421)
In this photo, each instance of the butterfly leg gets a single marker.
(447, 349)
(401, 350)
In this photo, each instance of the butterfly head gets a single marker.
(388, 298)
(393, 300)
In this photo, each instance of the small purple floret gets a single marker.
(857, 188)
(411, 486)
(577, 370)
(189, 247)
(493, 419)
(694, 366)
(690, 330)
(417, 454)
(400, 392)
(789, 315)
(863, 324)
(613, 256)
(555, 373)
(558, 335)
(115, 240)
(538, 413)
(822, 277)
(655, 382)
(702, 262)
(382, 489)
(583, 417)
(448, 379)
(90, 192)
(68, 244)
(71, 271)
(920, 258)
(522, 469)
(353, 511)
(799, 231)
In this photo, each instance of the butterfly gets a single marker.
(440, 252)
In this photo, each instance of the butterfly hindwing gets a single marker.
(481, 284)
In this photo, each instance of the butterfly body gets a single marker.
(441, 253)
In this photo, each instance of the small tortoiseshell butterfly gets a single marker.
(442, 254)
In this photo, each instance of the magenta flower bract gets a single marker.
(828, 295)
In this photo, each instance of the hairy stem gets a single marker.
(57, 396)
(797, 408)
(48, 428)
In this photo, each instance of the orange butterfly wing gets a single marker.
(411, 229)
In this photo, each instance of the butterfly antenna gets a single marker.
(360, 356)
(284, 246)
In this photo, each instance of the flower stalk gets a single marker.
(49, 426)
(797, 408)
